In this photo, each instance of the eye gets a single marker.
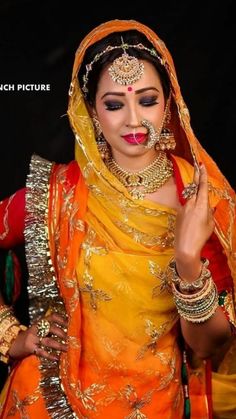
(149, 101)
(113, 106)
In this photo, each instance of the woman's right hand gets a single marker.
(28, 343)
(194, 225)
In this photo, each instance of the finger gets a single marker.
(32, 332)
(57, 318)
(58, 331)
(211, 215)
(42, 352)
(53, 344)
(196, 174)
(203, 184)
(191, 189)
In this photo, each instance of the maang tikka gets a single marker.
(100, 140)
(126, 69)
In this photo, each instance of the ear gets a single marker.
(91, 110)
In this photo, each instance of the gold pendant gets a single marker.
(137, 194)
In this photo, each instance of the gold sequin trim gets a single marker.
(42, 289)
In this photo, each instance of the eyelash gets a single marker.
(117, 106)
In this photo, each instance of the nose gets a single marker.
(133, 118)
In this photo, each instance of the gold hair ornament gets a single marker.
(125, 69)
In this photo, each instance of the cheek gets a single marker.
(109, 120)
(156, 113)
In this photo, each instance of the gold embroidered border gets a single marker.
(4, 234)
(42, 288)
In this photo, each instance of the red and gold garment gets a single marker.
(100, 256)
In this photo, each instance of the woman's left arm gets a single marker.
(194, 227)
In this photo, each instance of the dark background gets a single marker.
(38, 40)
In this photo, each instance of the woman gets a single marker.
(125, 321)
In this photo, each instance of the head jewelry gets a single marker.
(125, 69)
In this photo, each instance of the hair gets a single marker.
(130, 37)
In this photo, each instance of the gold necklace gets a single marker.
(145, 181)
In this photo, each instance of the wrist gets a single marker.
(196, 301)
(186, 286)
(188, 268)
(10, 327)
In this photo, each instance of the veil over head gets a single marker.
(221, 194)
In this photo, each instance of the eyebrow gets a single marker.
(144, 89)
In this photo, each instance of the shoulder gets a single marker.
(43, 172)
(71, 171)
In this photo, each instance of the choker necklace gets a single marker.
(145, 181)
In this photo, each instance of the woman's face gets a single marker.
(120, 110)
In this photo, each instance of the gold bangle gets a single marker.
(5, 344)
(5, 311)
(6, 324)
(197, 284)
(197, 307)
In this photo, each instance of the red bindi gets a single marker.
(130, 89)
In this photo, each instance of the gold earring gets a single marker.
(97, 126)
(166, 138)
(100, 140)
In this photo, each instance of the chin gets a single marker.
(131, 150)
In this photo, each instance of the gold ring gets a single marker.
(190, 190)
(43, 328)
(40, 340)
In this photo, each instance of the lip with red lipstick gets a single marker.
(137, 138)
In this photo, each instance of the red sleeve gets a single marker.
(12, 212)
(12, 220)
(73, 173)
(218, 266)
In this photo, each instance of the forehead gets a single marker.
(150, 77)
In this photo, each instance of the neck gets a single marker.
(134, 163)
